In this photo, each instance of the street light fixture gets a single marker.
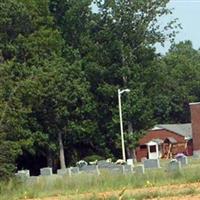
(121, 122)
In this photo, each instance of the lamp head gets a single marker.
(127, 90)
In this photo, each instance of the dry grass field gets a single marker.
(174, 192)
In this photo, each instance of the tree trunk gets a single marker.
(132, 151)
(49, 159)
(130, 127)
(134, 156)
(129, 150)
(129, 153)
(62, 154)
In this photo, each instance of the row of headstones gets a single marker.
(89, 169)
(174, 164)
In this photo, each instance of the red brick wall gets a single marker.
(161, 134)
(195, 119)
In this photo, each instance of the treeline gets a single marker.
(61, 63)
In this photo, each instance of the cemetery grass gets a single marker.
(92, 185)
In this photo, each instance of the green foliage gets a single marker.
(93, 158)
(8, 153)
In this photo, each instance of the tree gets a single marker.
(64, 107)
(122, 56)
(61, 65)
(177, 84)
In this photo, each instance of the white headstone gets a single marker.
(130, 162)
(63, 172)
(47, 171)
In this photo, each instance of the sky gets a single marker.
(188, 13)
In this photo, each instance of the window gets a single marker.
(143, 147)
(153, 148)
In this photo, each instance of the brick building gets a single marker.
(167, 140)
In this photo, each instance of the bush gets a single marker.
(93, 158)
(8, 154)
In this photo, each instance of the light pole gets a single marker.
(121, 122)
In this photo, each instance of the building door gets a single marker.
(153, 151)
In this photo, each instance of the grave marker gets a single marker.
(74, 170)
(127, 169)
(152, 163)
(63, 172)
(139, 169)
(183, 160)
(23, 174)
(47, 171)
(174, 165)
(90, 169)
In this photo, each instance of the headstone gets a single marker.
(47, 171)
(63, 172)
(127, 169)
(33, 180)
(130, 162)
(183, 159)
(143, 159)
(105, 165)
(152, 163)
(90, 169)
(111, 167)
(116, 169)
(174, 165)
(81, 163)
(102, 163)
(23, 174)
(74, 170)
(139, 169)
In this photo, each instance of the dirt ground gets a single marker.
(172, 192)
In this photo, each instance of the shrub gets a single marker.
(93, 158)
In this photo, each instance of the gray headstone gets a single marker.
(63, 172)
(47, 171)
(91, 169)
(111, 167)
(23, 174)
(33, 179)
(106, 165)
(143, 159)
(127, 169)
(196, 154)
(139, 169)
(102, 163)
(174, 165)
(183, 160)
(152, 163)
(118, 169)
(74, 170)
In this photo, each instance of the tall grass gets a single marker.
(77, 184)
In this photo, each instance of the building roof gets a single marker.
(171, 140)
(158, 141)
(184, 130)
